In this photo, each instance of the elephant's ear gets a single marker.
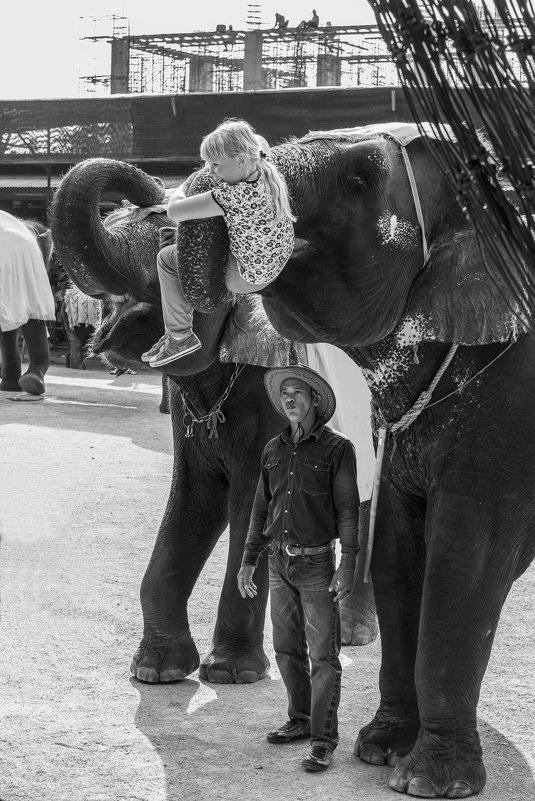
(456, 300)
(249, 338)
(203, 249)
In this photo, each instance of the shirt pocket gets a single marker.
(316, 477)
(271, 464)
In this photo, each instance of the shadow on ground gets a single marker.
(211, 742)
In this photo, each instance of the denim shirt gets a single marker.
(306, 495)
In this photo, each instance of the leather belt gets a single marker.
(308, 550)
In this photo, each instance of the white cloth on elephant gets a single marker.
(352, 416)
(402, 132)
(82, 309)
(25, 292)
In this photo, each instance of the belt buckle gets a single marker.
(287, 551)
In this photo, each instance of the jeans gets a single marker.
(177, 310)
(307, 640)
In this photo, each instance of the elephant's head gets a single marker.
(359, 271)
(114, 259)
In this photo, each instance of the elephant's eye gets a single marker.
(359, 180)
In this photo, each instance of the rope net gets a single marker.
(441, 45)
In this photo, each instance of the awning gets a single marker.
(40, 181)
(28, 181)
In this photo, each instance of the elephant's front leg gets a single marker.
(397, 568)
(195, 517)
(11, 363)
(237, 654)
(464, 590)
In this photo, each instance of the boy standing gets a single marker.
(306, 497)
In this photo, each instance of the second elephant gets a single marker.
(221, 420)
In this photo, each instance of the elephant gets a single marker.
(387, 267)
(24, 253)
(221, 420)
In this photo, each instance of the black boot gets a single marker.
(11, 367)
(36, 338)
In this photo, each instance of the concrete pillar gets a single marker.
(120, 65)
(329, 70)
(201, 74)
(252, 61)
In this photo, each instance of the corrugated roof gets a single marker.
(40, 181)
(27, 182)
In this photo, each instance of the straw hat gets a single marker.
(324, 394)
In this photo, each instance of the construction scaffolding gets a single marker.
(235, 61)
(225, 60)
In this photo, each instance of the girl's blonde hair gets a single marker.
(234, 137)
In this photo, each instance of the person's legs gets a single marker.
(289, 641)
(179, 339)
(177, 310)
(322, 627)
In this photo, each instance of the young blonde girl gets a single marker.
(253, 197)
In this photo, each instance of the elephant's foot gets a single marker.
(358, 622)
(222, 665)
(10, 386)
(76, 365)
(358, 629)
(441, 767)
(32, 383)
(163, 659)
(387, 739)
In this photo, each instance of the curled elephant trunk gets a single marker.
(95, 257)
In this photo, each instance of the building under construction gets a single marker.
(225, 60)
(237, 61)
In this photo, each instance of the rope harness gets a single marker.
(215, 415)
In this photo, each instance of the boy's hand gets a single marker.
(246, 584)
(342, 583)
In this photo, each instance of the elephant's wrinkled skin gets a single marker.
(213, 479)
(456, 514)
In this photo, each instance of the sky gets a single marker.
(42, 54)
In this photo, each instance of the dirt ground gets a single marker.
(85, 479)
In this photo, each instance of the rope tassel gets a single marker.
(214, 416)
(211, 424)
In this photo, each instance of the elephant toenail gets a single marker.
(372, 755)
(397, 782)
(172, 675)
(459, 789)
(146, 674)
(394, 757)
(422, 787)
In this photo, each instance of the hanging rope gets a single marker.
(215, 415)
(394, 428)
(423, 399)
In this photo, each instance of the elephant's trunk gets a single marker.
(203, 246)
(93, 256)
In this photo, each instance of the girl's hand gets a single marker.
(246, 585)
